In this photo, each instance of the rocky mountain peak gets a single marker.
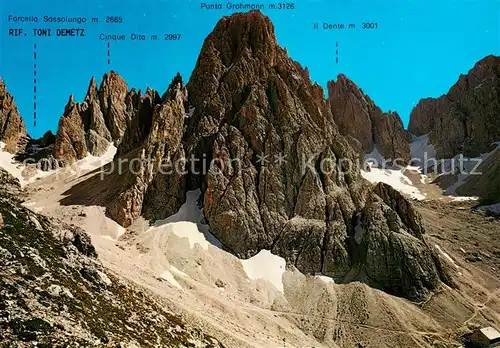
(344, 83)
(238, 40)
(244, 33)
(92, 91)
(357, 116)
(465, 120)
(70, 104)
(176, 90)
(112, 94)
(70, 142)
(110, 114)
(3, 88)
(153, 138)
(91, 126)
(12, 128)
(255, 105)
(112, 81)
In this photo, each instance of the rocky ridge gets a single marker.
(54, 291)
(357, 116)
(12, 128)
(465, 120)
(153, 187)
(92, 126)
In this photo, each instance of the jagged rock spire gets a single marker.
(12, 128)
(112, 94)
(91, 126)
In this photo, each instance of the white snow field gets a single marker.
(395, 178)
(374, 157)
(266, 266)
(7, 162)
(186, 223)
(94, 162)
(78, 168)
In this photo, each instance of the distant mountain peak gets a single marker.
(358, 117)
(465, 120)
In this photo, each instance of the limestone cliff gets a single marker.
(12, 128)
(465, 120)
(356, 115)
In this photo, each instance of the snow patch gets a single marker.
(105, 279)
(37, 224)
(358, 232)
(394, 178)
(7, 162)
(189, 230)
(266, 266)
(177, 272)
(374, 158)
(90, 162)
(190, 112)
(169, 277)
(414, 168)
(324, 279)
(464, 166)
(463, 199)
(448, 257)
(424, 179)
(187, 223)
(424, 156)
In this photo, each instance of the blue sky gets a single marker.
(419, 49)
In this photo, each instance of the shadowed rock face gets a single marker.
(70, 139)
(12, 128)
(150, 187)
(391, 251)
(356, 115)
(142, 116)
(251, 101)
(487, 185)
(465, 120)
(40, 152)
